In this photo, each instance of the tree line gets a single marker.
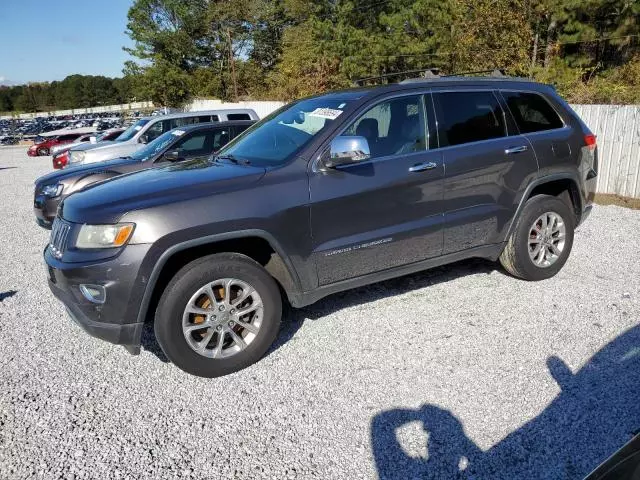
(285, 49)
(75, 91)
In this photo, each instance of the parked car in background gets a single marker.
(147, 129)
(328, 193)
(66, 146)
(44, 147)
(61, 152)
(109, 134)
(189, 142)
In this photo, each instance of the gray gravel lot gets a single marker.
(417, 377)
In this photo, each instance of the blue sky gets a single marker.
(44, 40)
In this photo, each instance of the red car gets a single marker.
(44, 147)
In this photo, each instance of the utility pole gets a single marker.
(233, 67)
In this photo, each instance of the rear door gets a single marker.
(541, 124)
(486, 163)
(386, 211)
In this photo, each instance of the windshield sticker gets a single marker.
(177, 132)
(329, 113)
(341, 106)
(137, 127)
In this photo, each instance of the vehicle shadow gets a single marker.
(596, 413)
(7, 294)
(294, 318)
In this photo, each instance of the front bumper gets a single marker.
(115, 320)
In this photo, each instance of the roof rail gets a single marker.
(496, 72)
(433, 74)
(425, 72)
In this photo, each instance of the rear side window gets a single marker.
(207, 118)
(238, 129)
(238, 116)
(465, 117)
(532, 112)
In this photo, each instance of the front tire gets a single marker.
(541, 240)
(219, 314)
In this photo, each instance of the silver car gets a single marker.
(148, 129)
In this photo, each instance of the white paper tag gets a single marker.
(329, 113)
(137, 127)
(177, 133)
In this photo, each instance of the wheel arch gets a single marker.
(562, 185)
(258, 245)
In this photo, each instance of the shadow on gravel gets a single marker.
(294, 318)
(149, 342)
(596, 412)
(7, 294)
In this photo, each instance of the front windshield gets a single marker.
(280, 135)
(130, 132)
(151, 149)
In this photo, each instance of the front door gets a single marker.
(382, 212)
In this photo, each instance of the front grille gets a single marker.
(59, 236)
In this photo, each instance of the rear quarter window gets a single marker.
(532, 112)
(238, 116)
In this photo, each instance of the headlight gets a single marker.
(104, 236)
(52, 191)
(76, 157)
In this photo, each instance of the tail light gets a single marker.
(590, 141)
(60, 161)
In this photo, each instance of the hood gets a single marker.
(65, 146)
(91, 146)
(106, 202)
(81, 170)
(108, 150)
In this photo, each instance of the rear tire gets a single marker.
(214, 286)
(541, 240)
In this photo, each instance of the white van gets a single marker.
(147, 129)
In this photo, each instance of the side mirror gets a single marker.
(172, 156)
(346, 150)
(144, 138)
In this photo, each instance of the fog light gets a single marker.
(94, 293)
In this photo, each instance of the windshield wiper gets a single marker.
(233, 159)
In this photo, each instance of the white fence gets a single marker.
(617, 128)
(261, 108)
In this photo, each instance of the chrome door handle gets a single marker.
(421, 167)
(521, 148)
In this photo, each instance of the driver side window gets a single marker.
(392, 127)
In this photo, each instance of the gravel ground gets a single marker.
(462, 372)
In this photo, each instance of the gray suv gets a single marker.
(326, 194)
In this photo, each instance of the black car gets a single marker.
(198, 140)
(328, 193)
